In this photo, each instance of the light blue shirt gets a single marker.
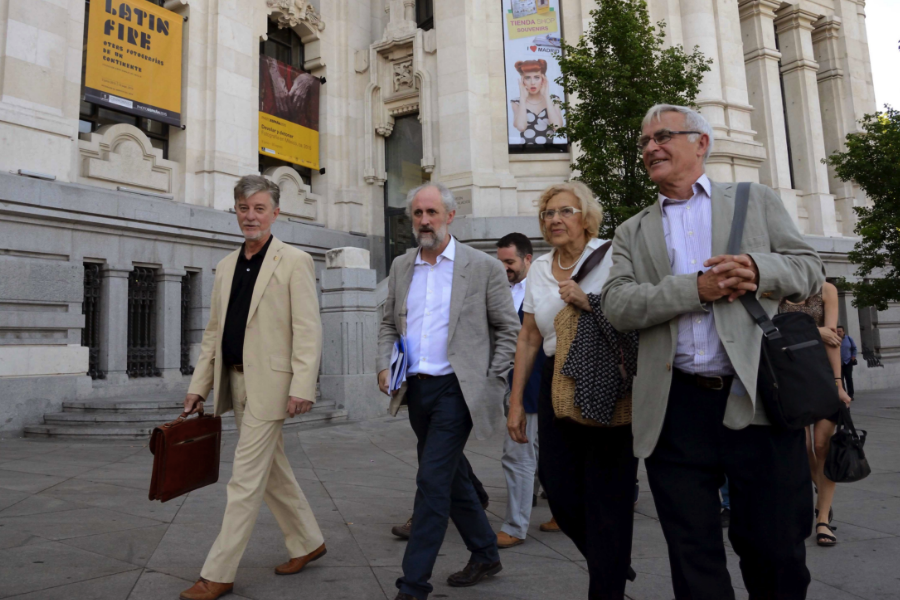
(688, 228)
(428, 313)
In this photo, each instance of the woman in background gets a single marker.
(535, 114)
(823, 308)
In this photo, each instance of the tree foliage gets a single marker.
(872, 160)
(616, 72)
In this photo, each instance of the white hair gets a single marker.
(693, 120)
(446, 196)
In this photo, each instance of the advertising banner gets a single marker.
(288, 113)
(532, 46)
(133, 59)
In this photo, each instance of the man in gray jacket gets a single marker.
(696, 414)
(452, 304)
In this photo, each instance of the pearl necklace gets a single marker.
(558, 260)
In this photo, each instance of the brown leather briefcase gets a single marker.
(185, 455)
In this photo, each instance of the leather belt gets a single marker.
(238, 368)
(423, 376)
(707, 383)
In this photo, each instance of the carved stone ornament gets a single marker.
(403, 76)
(122, 154)
(296, 198)
(294, 12)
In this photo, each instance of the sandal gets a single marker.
(825, 539)
(830, 517)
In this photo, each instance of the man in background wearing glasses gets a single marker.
(694, 420)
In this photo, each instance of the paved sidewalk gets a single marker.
(75, 523)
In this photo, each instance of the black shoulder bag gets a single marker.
(795, 379)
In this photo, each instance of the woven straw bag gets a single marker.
(563, 387)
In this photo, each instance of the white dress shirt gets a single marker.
(428, 313)
(518, 293)
(542, 292)
(688, 229)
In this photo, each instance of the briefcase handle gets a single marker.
(183, 416)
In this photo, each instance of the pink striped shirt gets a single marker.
(688, 228)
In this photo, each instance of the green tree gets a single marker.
(872, 160)
(616, 72)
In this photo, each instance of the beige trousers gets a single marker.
(261, 471)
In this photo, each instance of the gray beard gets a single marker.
(437, 238)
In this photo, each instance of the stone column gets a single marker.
(168, 322)
(471, 99)
(761, 57)
(825, 38)
(114, 322)
(349, 333)
(799, 68)
(714, 27)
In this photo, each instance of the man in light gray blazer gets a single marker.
(453, 307)
(696, 414)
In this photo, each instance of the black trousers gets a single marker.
(847, 376)
(771, 500)
(588, 474)
(440, 418)
(476, 483)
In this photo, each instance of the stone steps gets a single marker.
(135, 419)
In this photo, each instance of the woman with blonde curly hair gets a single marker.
(587, 472)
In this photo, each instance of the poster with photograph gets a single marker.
(532, 44)
(133, 59)
(288, 113)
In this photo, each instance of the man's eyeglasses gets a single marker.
(566, 212)
(662, 137)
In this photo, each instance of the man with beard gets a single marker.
(520, 460)
(454, 307)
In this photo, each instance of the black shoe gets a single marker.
(631, 575)
(533, 500)
(726, 518)
(402, 596)
(473, 573)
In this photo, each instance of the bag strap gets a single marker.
(846, 421)
(757, 312)
(594, 259)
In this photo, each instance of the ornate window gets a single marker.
(91, 117)
(284, 45)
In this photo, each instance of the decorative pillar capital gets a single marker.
(761, 8)
(794, 17)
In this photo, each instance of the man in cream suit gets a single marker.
(260, 353)
(696, 415)
(453, 304)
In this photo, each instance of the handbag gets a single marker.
(795, 380)
(185, 455)
(563, 386)
(846, 461)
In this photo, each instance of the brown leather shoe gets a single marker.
(295, 565)
(550, 526)
(403, 531)
(206, 590)
(504, 540)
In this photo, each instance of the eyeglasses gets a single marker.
(662, 137)
(566, 212)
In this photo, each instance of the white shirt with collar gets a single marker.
(687, 225)
(428, 313)
(518, 293)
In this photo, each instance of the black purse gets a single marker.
(846, 461)
(795, 380)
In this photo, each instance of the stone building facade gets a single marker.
(111, 226)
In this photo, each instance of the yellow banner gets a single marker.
(133, 61)
(288, 141)
(540, 23)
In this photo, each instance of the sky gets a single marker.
(883, 29)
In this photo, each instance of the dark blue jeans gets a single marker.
(440, 418)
